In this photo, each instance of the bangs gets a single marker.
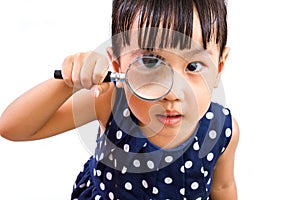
(166, 24)
(168, 15)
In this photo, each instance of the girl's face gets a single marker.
(172, 120)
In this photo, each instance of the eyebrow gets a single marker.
(187, 53)
(190, 52)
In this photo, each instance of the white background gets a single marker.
(260, 79)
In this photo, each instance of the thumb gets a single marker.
(100, 89)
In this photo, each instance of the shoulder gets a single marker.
(235, 136)
(234, 139)
(229, 154)
(229, 119)
(229, 126)
(235, 133)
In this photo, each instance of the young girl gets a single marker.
(179, 145)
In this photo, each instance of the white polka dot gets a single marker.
(212, 134)
(209, 181)
(202, 170)
(97, 197)
(150, 164)
(111, 157)
(196, 146)
(182, 191)
(98, 173)
(226, 111)
(119, 134)
(82, 185)
(94, 172)
(115, 163)
(182, 169)
(126, 112)
(188, 164)
(128, 186)
(102, 186)
(205, 173)
(109, 176)
(210, 157)
(101, 156)
(111, 195)
(168, 159)
(223, 149)
(136, 163)
(155, 190)
(88, 183)
(209, 115)
(228, 132)
(168, 180)
(124, 170)
(199, 198)
(126, 147)
(145, 184)
(195, 186)
(145, 144)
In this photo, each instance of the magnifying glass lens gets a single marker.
(149, 78)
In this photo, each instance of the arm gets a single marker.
(47, 109)
(28, 113)
(223, 186)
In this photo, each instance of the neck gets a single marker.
(167, 138)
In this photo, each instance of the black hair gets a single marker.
(169, 14)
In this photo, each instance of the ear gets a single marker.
(115, 63)
(221, 65)
(113, 59)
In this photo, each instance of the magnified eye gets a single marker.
(194, 67)
(150, 61)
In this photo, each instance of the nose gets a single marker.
(171, 96)
(177, 91)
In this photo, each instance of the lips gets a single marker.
(170, 118)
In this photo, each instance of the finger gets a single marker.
(87, 70)
(77, 65)
(100, 70)
(67, 67)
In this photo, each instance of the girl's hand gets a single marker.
(85, 70)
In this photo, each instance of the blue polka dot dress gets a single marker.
(127, 166)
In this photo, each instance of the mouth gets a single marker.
(170, 118)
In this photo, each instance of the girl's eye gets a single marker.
(150, 61)
(194, 67)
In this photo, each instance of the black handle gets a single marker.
(58, 75)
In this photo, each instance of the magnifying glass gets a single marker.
(148, 77)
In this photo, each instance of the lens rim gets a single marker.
(161, 61)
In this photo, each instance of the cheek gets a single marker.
(201, 98)
(139, 107)
(204, 101)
